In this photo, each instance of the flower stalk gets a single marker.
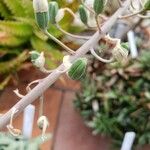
(51, 78)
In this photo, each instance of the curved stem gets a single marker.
(88, 8)
(28, 89)
(141, 3)
(132, 5)
(51, 78)
(97, 23)
(131, 15)
(69, 11)
(72, 35)
(99, 58)
(59, 42)
(143, 16)
(41, 105)
(18, 94)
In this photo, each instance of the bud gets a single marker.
(53, 10)
(120, 53)
(37, 59)
(78, 69)
(147, 5)
(83, 14)
(98, 6)
(60, 15)
(42, 121)
(41, 13)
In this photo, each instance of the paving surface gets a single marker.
(71, 133)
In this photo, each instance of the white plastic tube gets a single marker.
(28, 120)
(132, 44)
(128, 141)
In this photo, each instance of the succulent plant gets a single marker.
(118, 100)
(9, 142)
(19, 32)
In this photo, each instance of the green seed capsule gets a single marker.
(83, 14)
(147, 5)
(34, 55)
(53, 10)
(98, 6)
(78, 69)
(42, 19)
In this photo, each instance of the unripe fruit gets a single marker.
(78, 69)
(83, 14)
(98, 6)
(53, 10)
(41, 13)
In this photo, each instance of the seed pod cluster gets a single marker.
(83, 14)
(45, 13)
(78, 69)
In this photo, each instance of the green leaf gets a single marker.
(98, 6)
(16, 28)
(28, 6)
(16, 7)
(4, 11)
(11, 65)
(83, 14)
(2, 86)
(10, 40)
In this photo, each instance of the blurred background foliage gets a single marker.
(19, 34)
(118, 99)
(9, 142)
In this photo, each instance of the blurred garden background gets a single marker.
(94, 113)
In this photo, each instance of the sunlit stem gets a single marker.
(72, 35)
(70, 12)
(59, 42)
(143, 16)
(18, 94)
(87, 7)
(11, 129)
(132, 5)
(41, 105)
(141, 3)
(99, 58)
(131, 15)
(28, 88)
(97, 23)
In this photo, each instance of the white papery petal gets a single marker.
(40, 61)
(60, 15)
(40, 5)
(66, 61)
